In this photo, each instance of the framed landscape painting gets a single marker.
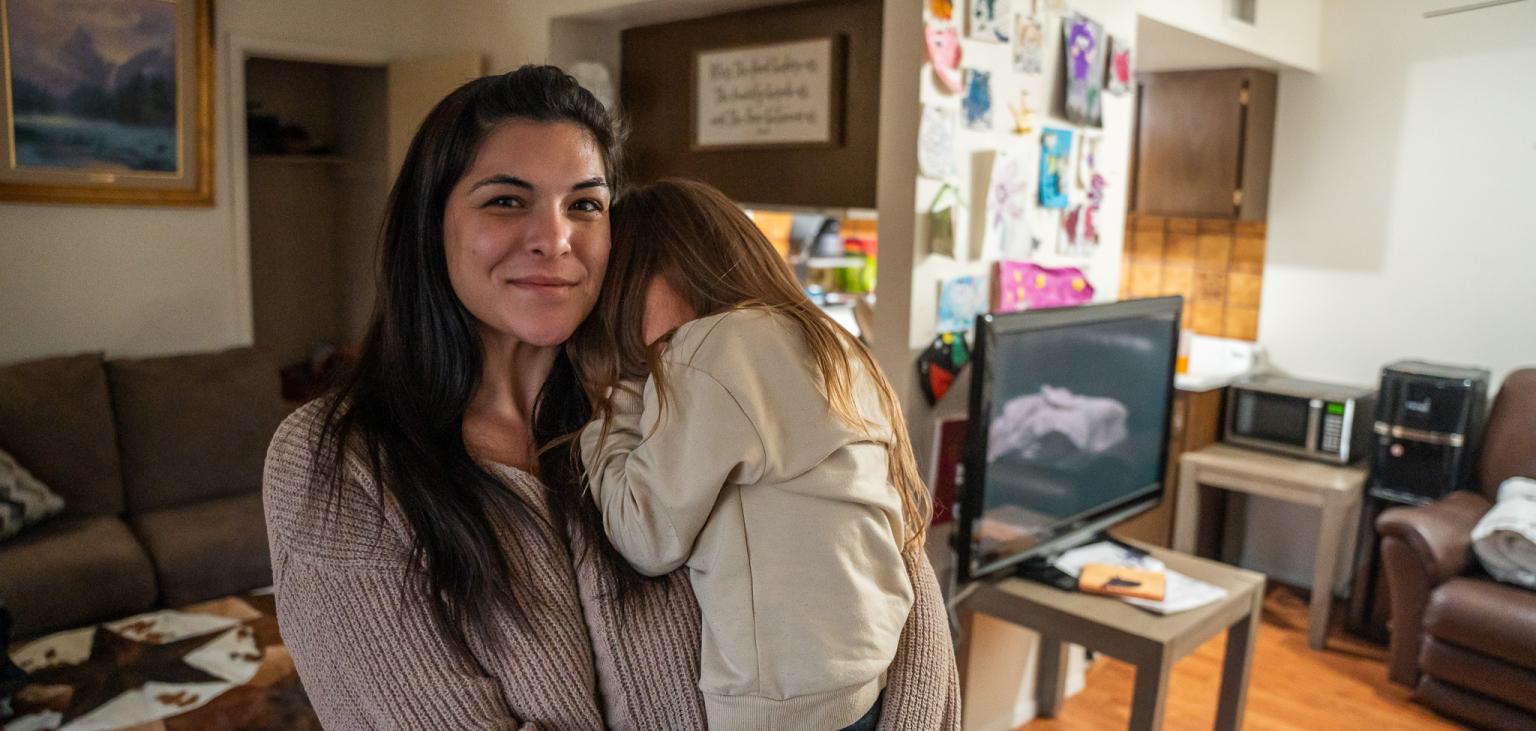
(106, 101)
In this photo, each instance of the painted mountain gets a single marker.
(93, 84)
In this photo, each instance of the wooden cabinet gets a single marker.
(1203, 143)
(1195, 423)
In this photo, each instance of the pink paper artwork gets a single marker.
(1021, 285)
(944, 52)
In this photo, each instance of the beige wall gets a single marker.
(145, 281)
(140, 281)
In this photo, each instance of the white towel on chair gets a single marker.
(1505, 539)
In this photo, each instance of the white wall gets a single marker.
(1283, 30)
(138, 281)
(1400, 210)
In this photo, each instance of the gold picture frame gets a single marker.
(106, 105)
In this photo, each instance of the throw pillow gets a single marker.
(24, 500)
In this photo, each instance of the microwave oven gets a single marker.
(1320, 421)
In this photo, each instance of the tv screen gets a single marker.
(1068, 426)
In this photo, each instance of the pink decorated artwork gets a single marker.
(1022, 285)
(944, 52)
(1118, 72)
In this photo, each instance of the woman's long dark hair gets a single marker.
(403, 405)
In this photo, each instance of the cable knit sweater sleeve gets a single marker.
(368, 654)
(922, 686)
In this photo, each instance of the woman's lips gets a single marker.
(542, 283)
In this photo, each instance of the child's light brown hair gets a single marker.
(717, 260)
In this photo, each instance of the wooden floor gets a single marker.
(1291, 687)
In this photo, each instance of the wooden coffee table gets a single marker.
(1150, 642)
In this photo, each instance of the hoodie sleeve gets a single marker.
(658, 473)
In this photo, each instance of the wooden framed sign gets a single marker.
(772, 95)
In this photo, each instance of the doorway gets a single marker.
(317, 181)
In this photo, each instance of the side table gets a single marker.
(1334, 490)
(1150, 642)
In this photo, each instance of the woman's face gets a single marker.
(525, 231)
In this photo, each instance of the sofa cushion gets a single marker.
(70, 572)
(1483, 615)
(193, 427)
(1479, 673)
(1472, 708)
(24, 500)
(207, 549)
(56, 420)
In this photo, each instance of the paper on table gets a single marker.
(1180, 594)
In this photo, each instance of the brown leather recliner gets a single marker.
(1466, 642)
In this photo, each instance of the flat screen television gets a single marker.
(1068, 430)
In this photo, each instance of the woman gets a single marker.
(433, 567)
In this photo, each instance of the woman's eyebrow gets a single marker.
(502, 179)
(513, 180)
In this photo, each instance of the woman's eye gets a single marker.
(588, 205)
(504, 201)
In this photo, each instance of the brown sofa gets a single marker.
(1464, 641)
(159, 461)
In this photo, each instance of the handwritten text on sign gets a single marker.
(764, 95)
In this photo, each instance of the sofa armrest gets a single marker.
(1420, 548)
(1440, 533)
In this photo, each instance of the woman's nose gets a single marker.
(549, 234)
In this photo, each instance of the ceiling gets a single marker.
(1162, 47)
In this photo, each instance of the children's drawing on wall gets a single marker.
(1021, 285)
(989, 20)
(1066, 234)
(1028, 45)
(978, 100)
(941, 9)
(1055, 154)
(1007, 231)
(936, 143)
(1082, 237)
(1118, 71)
(938, 366)
(1087, 159)
(941, 221)
(944, 53)
(1021, 114)
(1082, 43)
(961, 299)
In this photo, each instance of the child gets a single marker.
(763, 449)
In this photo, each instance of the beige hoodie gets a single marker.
(783, 514)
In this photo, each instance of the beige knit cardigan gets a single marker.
(370, 657)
